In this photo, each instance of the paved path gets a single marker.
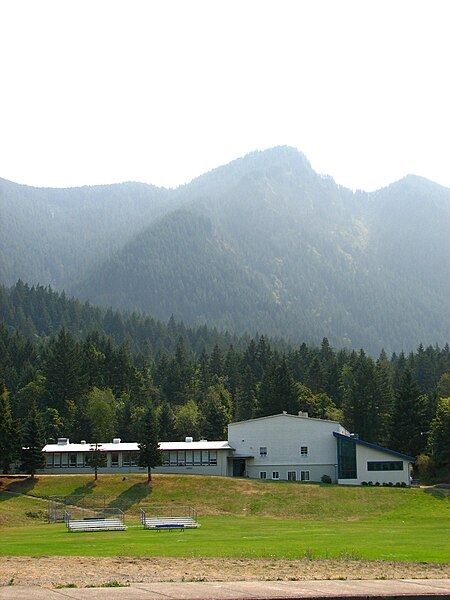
(400, 589)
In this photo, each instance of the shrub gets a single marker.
(326, 479)
(364, 483)
(377, 483)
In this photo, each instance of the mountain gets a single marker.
(262, 244)
(53, 236)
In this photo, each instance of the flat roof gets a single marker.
(134, 446)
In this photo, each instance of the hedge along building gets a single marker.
(278, 447)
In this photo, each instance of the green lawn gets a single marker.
(239, 518)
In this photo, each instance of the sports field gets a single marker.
(239, 519)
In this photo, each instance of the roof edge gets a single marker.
(374, 446)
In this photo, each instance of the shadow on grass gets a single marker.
(84, 490)
(18, 485)
(439, 493)
(132, 496)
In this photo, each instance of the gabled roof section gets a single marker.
(303, 416)
(374, 446)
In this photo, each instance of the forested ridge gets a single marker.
(70, 369)
(263, 244)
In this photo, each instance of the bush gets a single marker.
(326, 479)
(364, 483)
(377, 483)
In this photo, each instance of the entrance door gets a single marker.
(239, 467)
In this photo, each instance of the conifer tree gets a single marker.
(407, 417)
(9, 439)
(439, 437)
(245, 401)
(33, 442)
(96, 458)
(150, 456)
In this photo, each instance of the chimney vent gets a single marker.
(189, 440)
(302, 414)
(63, 441)
(116, 440)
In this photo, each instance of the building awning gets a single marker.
(239, 456)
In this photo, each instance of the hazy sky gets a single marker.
(161, 91)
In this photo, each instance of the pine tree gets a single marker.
(407, 417)
(9, 439)
(245, 401)
(439, 437)
(96, 458)
(33, 442)
(65, 379)
(150, 456)
(216, 411)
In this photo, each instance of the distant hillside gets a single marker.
(53, 236)
(262, 244)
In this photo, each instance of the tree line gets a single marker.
(86, 385)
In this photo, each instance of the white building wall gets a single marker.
(365, 454)
(284, 436)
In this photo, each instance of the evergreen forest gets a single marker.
(68, 369)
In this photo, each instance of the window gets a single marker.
(275, 475)
(114, 459)
(292, 475)
(263, 451)
(205, 457)
(80, 460)
(347, 459)
(49, 460)
(197, 458)
(64, 459)
(213, 457)
(134, 459)
(304, 475)
(126, 459)
(181, 458)
(166, 456)
(72, 459)
(304, 450)
(387, 465)
(189, 459)
(262, 475)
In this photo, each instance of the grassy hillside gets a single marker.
(239, 518)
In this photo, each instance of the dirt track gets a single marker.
(86, 571)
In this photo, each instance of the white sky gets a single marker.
(161, 91)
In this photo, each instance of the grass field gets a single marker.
(239, 518)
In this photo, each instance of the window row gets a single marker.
(303, 451)
(189, 458)
(79, 459)
(291, 475)
(385, 465)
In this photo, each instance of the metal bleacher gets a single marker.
(113, 521)
(167, 519)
